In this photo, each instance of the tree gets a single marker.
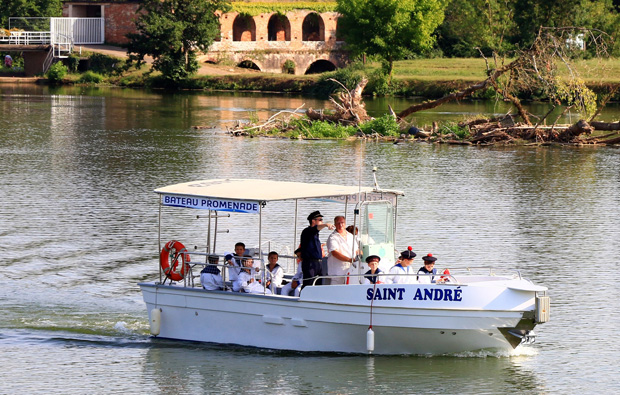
(476, 24)
(389, 29)
(172, 32)
(28, 8)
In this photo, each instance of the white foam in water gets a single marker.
(521, 351)
(121, 326)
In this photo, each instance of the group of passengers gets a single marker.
(242, 273)
(403, 272)
(341, 253)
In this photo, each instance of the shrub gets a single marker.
(347, 76)
(378, 84)
(73, 62)
(321, 129)
(105, 64)
(453, 128)
(288, 67)
(385, 125)
(57, 72)
(90, 77)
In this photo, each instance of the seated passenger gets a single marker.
(400, 272)
(274, 272)
(371, 275)
(245, 281)
(293, 288)
(235, 261)
(210, 276)
(428, 268)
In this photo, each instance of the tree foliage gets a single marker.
(502, 26)
(389, 29)
(469, 25)
(172, 32)
(28, 8)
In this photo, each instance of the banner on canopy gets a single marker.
(236, 206)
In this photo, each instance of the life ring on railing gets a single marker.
(169, 260)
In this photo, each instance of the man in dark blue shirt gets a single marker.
(311, 252)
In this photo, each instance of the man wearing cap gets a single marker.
(370, 277)
(428, 268)
(340, 247)
(401, 273)
(311, 252)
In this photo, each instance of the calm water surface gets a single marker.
(78, 231)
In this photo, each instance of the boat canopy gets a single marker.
(256, 190)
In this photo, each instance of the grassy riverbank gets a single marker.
(429, 78)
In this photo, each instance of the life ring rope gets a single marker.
(171, 268)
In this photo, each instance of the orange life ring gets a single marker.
(169, 260)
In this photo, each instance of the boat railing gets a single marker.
(445, 278)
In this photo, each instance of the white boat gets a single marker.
(470, 311)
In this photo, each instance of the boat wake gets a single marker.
(521, 351)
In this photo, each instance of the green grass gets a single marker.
(472, 69)
(440, 69)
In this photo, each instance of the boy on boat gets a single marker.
(274, 272)
(210, 276)
(293, 287)
(370, 277)
(402, 273)
(235, 261)
(428, 268)
(246, 282)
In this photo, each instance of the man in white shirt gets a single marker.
(403, 273)
(340, 246)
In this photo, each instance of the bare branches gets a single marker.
(537, 69)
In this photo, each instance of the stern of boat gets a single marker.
(523, 332)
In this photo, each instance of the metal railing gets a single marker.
(26, 38)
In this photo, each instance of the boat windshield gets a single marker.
(377, 231)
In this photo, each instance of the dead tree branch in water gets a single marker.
(535, 70)
(348, 104)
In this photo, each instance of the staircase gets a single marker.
(61, 47)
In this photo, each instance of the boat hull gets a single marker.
(406, 319)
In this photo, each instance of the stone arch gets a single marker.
(279, 28)
(320, 66)
(313, 28)
(244, 28)
(289, 67)
(248, 64)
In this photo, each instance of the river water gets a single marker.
(78, 231)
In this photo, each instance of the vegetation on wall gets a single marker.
(257, 8)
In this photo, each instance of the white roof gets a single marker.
(260, 190)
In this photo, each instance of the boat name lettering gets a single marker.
(211, 204)
(439, 294)
(385, 294)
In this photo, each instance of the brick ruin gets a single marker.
(299, 42)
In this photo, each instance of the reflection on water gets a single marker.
(78, 229)
(249, 371)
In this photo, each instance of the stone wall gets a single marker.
(303, 37)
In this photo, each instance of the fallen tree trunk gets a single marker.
(575, 130)
(605, 125)
(462, 94)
